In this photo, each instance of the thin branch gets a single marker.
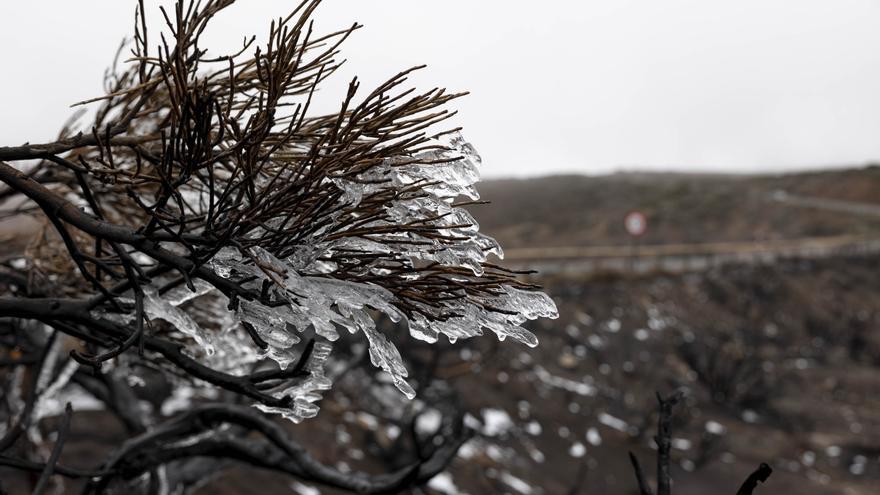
(664, 440)
(644, 487)
(43, 482)
(24, 417)
(162, 445)
(759, 475)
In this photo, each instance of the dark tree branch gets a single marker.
(46, 475)
(38, 467)
(60, 313)
(37, 151)
(759, 475)
(24, 418)
(197, 169)
(664, 440)
(279, 453)
(644, 487)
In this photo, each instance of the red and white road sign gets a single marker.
(636, 223)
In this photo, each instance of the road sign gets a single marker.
(636, 223)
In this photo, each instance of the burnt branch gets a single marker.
(49, 469)
(206, 230)
(663, 440)
(644, 487)
(760, 475)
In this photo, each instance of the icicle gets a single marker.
(224, 260)
(384, 355)
(182, 293)
(157, 307)
(306, 295)
(307, 392)
(271, 325)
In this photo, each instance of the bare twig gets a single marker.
(759, 475)
(43, 482)
(644, 487)
(664, 440)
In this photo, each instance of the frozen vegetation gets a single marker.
(309, 297)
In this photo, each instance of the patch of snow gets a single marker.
(577, 450)
(613, 422)
(580, 388)
(428, 422)
(715, 428)
(593, 437)
(302, 489)
(496, 422)
(516, 483)
(444, 484)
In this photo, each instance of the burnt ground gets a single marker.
(781, 365)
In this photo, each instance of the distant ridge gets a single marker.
(577, 210)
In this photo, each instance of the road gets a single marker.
(679, 258)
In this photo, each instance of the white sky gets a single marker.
(557, 86)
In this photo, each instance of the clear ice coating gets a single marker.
(307, 294)
(166, 307)
(160, 307)
(307, 392)
(318, 300)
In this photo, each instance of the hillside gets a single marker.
(681, 208)
(780, 361)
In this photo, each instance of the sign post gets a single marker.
(636, 224)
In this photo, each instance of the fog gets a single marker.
(573, 87)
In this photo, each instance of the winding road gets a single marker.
(678, 258)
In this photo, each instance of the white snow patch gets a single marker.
(580, 388)
(516, 483)
(612, 422)
(593, 437)
(428, 422)
(715, 428)
(444, 484)
(301, 489)
(496, 422)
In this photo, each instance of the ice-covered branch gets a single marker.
(207, 224)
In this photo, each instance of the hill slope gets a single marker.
(681, 208)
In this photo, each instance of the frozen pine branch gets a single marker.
(207, 221)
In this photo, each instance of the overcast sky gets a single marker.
(557, 86)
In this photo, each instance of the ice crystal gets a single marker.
(307, 392)
(166, 307)
(331, 280)
(316, 299)
(163, 308)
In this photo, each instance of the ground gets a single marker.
(781, 363)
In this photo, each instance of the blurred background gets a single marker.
(693, 182)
